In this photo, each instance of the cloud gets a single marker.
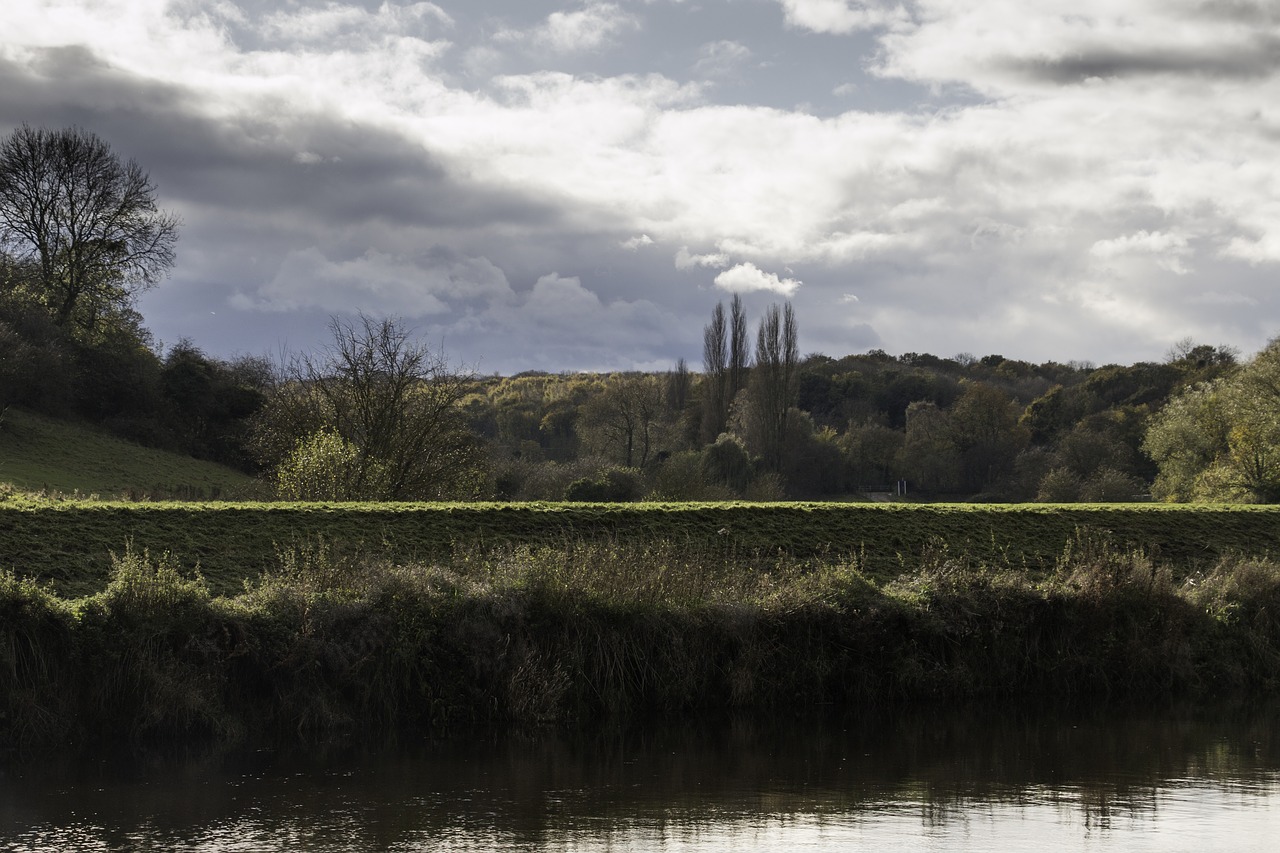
(1169, 250)
(337, 21)
(590, 28)
(841, 16)
(377, 282)
(721, 58)
(745, 278)
(562, 324)
(998, 47)
(631, 244)
(685, 260)
(1041, 179)
(1217, 298)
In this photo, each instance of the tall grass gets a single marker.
(335, 640)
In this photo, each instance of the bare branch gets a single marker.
(89, 221)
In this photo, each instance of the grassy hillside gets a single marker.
(69, 543)
(42, 454)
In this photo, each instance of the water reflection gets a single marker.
(952, 780)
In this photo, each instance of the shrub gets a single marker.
(1107, 485)
(1060, 485)
(326, 467)
(616, 484)
(727, 463)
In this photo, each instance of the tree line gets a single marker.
(379, 415)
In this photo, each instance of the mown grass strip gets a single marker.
(69, 544)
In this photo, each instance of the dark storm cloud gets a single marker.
(1243, 11)
(1257, 58)
(302, 164)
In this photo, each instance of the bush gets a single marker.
(614, 485)
(1107, 485)
(1060, 485)
(326, 467)
(727, 463)
(680, 478)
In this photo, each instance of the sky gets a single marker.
(575, 185)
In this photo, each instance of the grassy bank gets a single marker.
(69, 544)
(43, 454)
(331, 642)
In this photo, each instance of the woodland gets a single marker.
(380, 415)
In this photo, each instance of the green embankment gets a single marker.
(44, 454)
(69, 543)
(327, 645)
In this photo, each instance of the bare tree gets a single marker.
(625, 414)
(715, 376)
(739, 350)
(677, 386)
(775, 379)
(725, 353)
(88, 221)
(391, 399)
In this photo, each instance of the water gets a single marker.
(933, 781)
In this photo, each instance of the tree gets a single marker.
(1186, 438)
(393, 400)
(775, 380)
(624, 417)
(985, 430)
(715, 375)
(739, 349)
(87, 222)
(724, 359)
(727, 463)
(929, 457)
(1220, 440)
(870, 450)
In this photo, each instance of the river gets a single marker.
(928, 779)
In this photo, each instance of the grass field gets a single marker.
(69, 543)
(47, 455)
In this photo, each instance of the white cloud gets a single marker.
(842, 16)
(631, 244)
(745, 278)
(590, 28)
(721, 58)
(686, 260)
(1168, 250)
(333, 21)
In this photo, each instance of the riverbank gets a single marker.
(330, 643)
(69, 543)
